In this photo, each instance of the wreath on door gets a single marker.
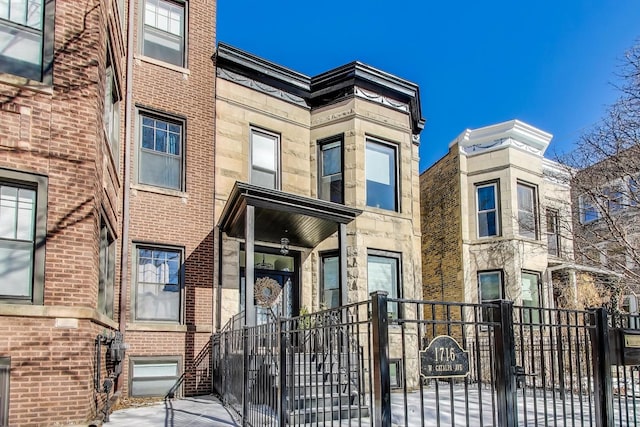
(266, 291)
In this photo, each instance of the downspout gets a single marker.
(217, 304)
(124, 253)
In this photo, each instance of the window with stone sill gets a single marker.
(153, 376)
(265, 158)
(158, 285)
(160, 151)
(26, 38)
(23, 212)
(330, 169)
(381, 170)
(164, 31)
(487, 210)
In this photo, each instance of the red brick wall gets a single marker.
(58, 132)
(181, 219)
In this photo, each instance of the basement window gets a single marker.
(153, 376)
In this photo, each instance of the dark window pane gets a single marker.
(147, 138)
(486, 198)
(161, 140)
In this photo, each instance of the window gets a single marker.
(106, 280)
(395, 373)
(330, 184)
(26, 38)
(381, 173)
(153, 376)
(527, 211)
(158, 285)
(5, 366)
(164, 31)
(383, 274)
(615, 199)
(112, 109)
(588, 211)
(265, 159)
(490, 284)
(530, 296)
(553, 232)
(330, 283)
(160, 157)
(487, 208)
(23, 208)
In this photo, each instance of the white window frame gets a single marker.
(586, 204)
(531, 316)
(254, 168)
(151, 360)
(495, 209)
(178, 318)
(141, 150)
(155, 30)
(554, 233)
(523, 214)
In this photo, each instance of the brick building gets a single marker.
(78, 154)
(491, 215)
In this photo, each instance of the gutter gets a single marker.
(126, 191)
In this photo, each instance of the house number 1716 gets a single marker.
(444, 354)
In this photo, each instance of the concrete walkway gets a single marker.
(198, 411)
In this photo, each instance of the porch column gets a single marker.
(249, 276)
(342, 260)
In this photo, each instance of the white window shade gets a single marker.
(377, 167)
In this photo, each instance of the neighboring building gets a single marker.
(316, 185)
(493, 212)
(92, 180)
(607, 228)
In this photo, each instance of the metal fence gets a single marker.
(369, 364)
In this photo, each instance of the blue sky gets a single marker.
(548, 63)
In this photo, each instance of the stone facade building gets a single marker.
(316, 185)
(491, 215)
(106, 201)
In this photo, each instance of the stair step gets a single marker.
(312, 415)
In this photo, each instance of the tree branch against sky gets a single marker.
(605, 178)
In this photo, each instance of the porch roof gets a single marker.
(303, 220)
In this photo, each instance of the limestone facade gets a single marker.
(521, 245)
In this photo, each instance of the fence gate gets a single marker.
(394, 362)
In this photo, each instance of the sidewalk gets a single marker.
(197, 411)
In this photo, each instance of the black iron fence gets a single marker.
(393, 362)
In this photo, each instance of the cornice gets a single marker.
(513, 133)
(353, 79)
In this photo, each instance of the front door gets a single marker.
(276, 290)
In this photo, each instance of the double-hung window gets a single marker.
(553, 232)
(330, 183)
(330, 280)
(588, 210)
(23, 207)
(164, 31)
(265, 159)
(383, 274)
(158, 285)
(381, 170)
(26, 39)
(490, 286)
(106, 281)
(111, 116)
(487, 209)
(160, 156)
(527, 211)
(531, 296)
